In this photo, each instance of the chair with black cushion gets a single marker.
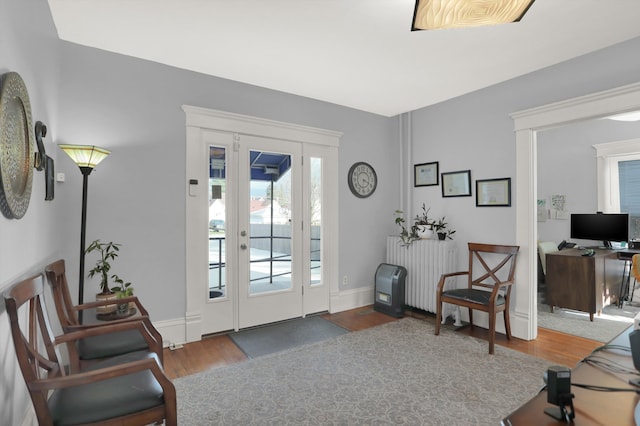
(490, 279)
(88, 350)
(131, 389)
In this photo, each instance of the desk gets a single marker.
(583, 283)
(590, 407)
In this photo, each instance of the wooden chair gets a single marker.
(130, 390)
(85, 351)
(488, 288)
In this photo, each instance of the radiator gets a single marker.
(425, 261)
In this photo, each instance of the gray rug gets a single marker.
(398, 373)
(603, 328)
(268, 339)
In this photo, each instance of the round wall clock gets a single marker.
(16, 146)
(362, 179)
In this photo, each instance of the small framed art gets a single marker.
(493, 192)
(425, 174)
(456, 184)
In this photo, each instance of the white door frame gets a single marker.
(199, 120)
(527, 123)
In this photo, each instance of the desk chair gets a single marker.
(130, 390)
(88, 350)
(635, 271)
(490, 278)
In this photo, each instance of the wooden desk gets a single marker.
(583, 283)
(590, 407)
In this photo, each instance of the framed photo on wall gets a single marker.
(456, 184)
(493, 192)
(426, 174)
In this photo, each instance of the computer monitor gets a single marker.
(600, 227)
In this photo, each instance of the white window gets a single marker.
(619, 181)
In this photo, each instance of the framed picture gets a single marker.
(426, 174)
(456, 184)
(493, 192)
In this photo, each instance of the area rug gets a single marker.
(263, 340)
(397, 373)
(604, 327)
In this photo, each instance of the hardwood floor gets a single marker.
(217, 351)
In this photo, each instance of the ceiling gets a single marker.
(356, 53)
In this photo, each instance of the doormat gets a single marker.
(268, 339)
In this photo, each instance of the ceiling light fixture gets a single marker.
(627, 116)
(438, 14)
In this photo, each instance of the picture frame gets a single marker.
(456, 184)
(426, 174)
(493, 192)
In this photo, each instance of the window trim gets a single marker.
(608, 156)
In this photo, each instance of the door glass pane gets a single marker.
(315, 198)
(217, 222)
(270, 222)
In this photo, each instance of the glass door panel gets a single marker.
(217, 220)
(315, 218)
(270, 222)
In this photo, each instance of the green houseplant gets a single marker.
(442, 229)
(108, 252)
(423, 224)
(407, 236)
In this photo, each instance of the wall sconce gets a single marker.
(438, 14)
(86, 157)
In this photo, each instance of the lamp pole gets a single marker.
(86, 158)
(86, 171)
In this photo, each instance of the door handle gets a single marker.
(243, 246)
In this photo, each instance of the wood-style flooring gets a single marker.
(215, 351)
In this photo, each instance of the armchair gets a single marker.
(488, 286)
(110, 393)
(101, 346)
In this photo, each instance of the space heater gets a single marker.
(389, 289)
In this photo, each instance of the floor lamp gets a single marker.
(86, 157)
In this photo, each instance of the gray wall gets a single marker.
(567, 165)
(476, 132)
(29, 46)
(136, 196)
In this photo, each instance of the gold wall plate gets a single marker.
(16, 146)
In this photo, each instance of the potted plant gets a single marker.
(423, 223)
(407, 236)
(122, 289)
(108, 253)
(441, 228)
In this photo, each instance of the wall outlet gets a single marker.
(345, 280)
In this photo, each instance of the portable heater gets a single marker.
(389, 289)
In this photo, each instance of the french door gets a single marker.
(260, 231)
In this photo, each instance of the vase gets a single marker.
(442, 236)
(106, 309)
(425, 233)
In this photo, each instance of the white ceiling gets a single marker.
(356, 53)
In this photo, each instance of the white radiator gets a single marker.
(426, 261)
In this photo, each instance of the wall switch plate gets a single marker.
(60, 177)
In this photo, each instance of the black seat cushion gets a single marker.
(108, 345)
(107, 399)
(473, 295)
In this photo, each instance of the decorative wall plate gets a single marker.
(16, 146)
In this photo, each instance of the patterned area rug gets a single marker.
(604, 327)
(394, 374)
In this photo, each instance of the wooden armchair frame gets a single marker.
(69, 319)
(51, 388)
(485, 291)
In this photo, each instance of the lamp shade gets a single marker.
(438, 14)
(85, 155)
